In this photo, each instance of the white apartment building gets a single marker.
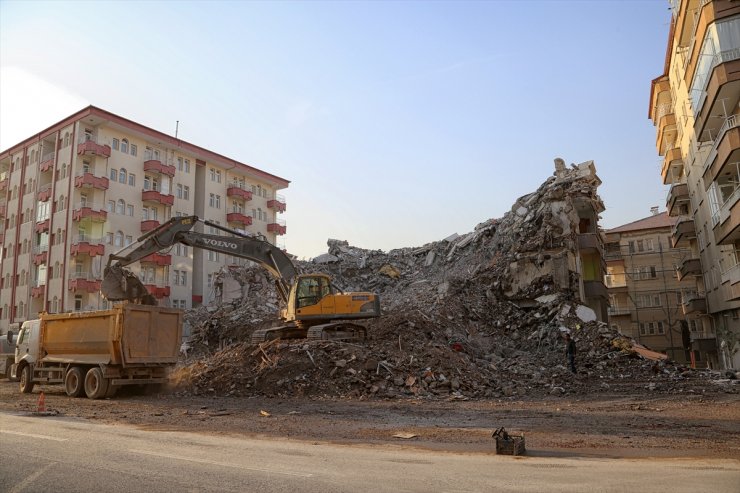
(93, 183)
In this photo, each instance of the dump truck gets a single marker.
(95, 353)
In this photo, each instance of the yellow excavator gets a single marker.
(314, 307)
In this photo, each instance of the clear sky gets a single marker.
(398, 123)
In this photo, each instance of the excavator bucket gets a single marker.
(120, 284)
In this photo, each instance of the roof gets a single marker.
(656, 221)
(164, 138)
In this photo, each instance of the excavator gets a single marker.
(314, 307)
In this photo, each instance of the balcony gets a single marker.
(88, 180)
(278, 203)
(677, 195)
(89, 147)
(38, 291)
(617, 311)
(157, 259)
(40, 254)
(667, 131)
(725, 149)
(720, 82)
(44, 193)
(731, 283)
(615, 281)
(3, 183)
(672, 165)
(278, 228)
(148, 225)
(89, 211)
(238, 192)
(695, 304)
(47, 162)
(238, 217)
(156, 196)
(157, 166)
(682, 231)
(590, 243)
(84, 245)
(3, 209)
(595, 289)
(726, 221)
(84, 281)
(42, 225)
(158, 292)
(689, 267)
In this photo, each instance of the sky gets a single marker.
(397, 123)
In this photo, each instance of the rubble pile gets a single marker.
(479, 315)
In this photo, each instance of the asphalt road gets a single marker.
(66, 455)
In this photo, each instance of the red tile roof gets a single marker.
(657, 221)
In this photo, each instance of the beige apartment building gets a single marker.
(694, 106)
(93, 183)
(652, 290)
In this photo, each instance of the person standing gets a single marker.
(570, 352)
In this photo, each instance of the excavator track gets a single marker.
(337, 331)
(290, 331)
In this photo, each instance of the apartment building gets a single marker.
(90, 185)
(694, 106)
(652, 290)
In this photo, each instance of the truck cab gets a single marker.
(27, 344)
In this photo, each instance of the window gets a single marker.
(66, 139)
(113, 174)
(186, 193)
(115, 144)
(111, 206)
(122, 176)
(109, 238)
(134, 149)
(184, 277)
(632, 247)
(124, 145)
(212, 200)
(218, 201)
(119, 239)
(132, 179)
(187, 166)
(147, 183)
(213, 174)
(179, 164)
(649, 245)
(120, 207)
(130, 210)
(129, 240)
(179, 191)
(213, 256)
(210, 280)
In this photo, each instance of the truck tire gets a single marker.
(96, 385)
(26, 380)
(74, 382)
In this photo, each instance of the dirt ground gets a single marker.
(642, 425)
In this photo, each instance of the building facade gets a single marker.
(93, 183)
(651, 284)
(695, 108)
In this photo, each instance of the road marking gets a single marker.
(33, 435)
(30, 479)
(224, 464)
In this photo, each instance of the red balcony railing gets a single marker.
(238, 192)
(37, 291)
(3, 184)
(89, 147)
(84, 281)
(89, 180)
(157, 166)
(84, 245)
(47, 162)
(158, 292)
(42, 225)
(89, 211)
(158, 259)
(278, 203)
(149, 225)
(155, 196)
(238, 217)
(278, 228)
(3, 210)
(44, 193)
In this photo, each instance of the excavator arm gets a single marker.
(120, 284)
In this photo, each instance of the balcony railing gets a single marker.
(238, 192)
(44, 192)
(616, 311)
(154, 165)
(278, 227)
(47, 162)
(689, 267)
(148, 225)
(158, 292)
(86, 179)
(89, 145)
(156, 196)
(158, 259)
(84, 281)
(615, 281)
(88, 210)
(694, 303)
(83, 244)
(731, 122)
(238, 217)
(725, 209)
(278, 203)
(701, 82)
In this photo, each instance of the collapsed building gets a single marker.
(479, 315)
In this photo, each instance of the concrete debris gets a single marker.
(479, 315)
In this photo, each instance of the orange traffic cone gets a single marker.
(42, 403)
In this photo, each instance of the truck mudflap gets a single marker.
(137, 381)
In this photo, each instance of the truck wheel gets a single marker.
(74, 382)
(96, 386)
(26, 380)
